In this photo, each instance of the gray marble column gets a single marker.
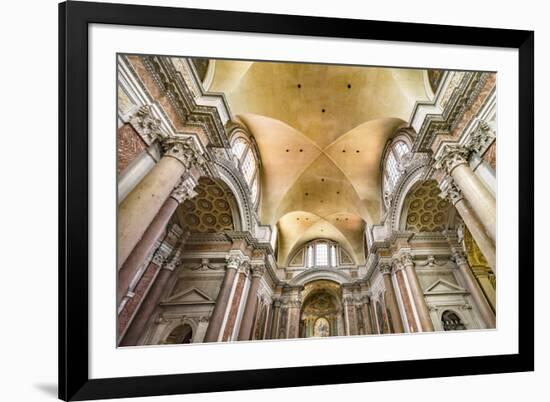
(417, 292)
(139, 208)
(245, 331)
(473, 287)
(385, 270)
(453, 194)
(234, 261)
(367, 319)
(454, 160)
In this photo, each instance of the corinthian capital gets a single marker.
(184, 150)
(185, 189)
(406, 259)
(235, 259)
(481, 138)
(451, 192)
(451, 157)
(459, 257)
(384, 268)
(257, 270)
(147, 126)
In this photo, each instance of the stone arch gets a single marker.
(321, 299)
(450, 311)
(228, 175)
(414, 172)
(315, 274)
(174, 324)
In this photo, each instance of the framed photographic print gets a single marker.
(258, 201)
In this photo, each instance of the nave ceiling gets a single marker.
(321, 132)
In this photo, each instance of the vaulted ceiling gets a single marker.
(321, 130)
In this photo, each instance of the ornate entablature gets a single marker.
(458, 92)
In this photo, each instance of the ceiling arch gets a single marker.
(321, 131)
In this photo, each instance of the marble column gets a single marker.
(150, 303)
(139, 208)
(416, 292)
(406, 297)
(234, 261)
(475, 291)
(453, 194)
(245, 331)
(391, 299)
(275, 318)
(183, 191)
(454, 160)
(349, 314)
(294, 304)
(367, 316)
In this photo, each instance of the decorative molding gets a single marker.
(185, 189)
(184, 150)
(146, 125)
(481, 138)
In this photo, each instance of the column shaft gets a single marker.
(476, 228)
(147, 308)
(367, 318)
(481, 200)
(476, 292)
(139, 208)
(392, 301)
(249, 308)
(215, 321)
(418, 297)
(144, 247)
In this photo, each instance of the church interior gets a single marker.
(274, 200)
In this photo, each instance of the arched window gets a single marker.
(248, 163)
(321, 253)
(451, 321)
(391, 171)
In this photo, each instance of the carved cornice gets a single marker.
(455, 103)
(172, 84)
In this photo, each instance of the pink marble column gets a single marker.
(417, 292)
(216, 319)
(245, 331)
(150, 303)
(183, 191)
(275, 318)
(139, 208)
(385, 270)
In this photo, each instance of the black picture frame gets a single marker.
(74, 18)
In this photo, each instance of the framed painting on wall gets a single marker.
(326, 194)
